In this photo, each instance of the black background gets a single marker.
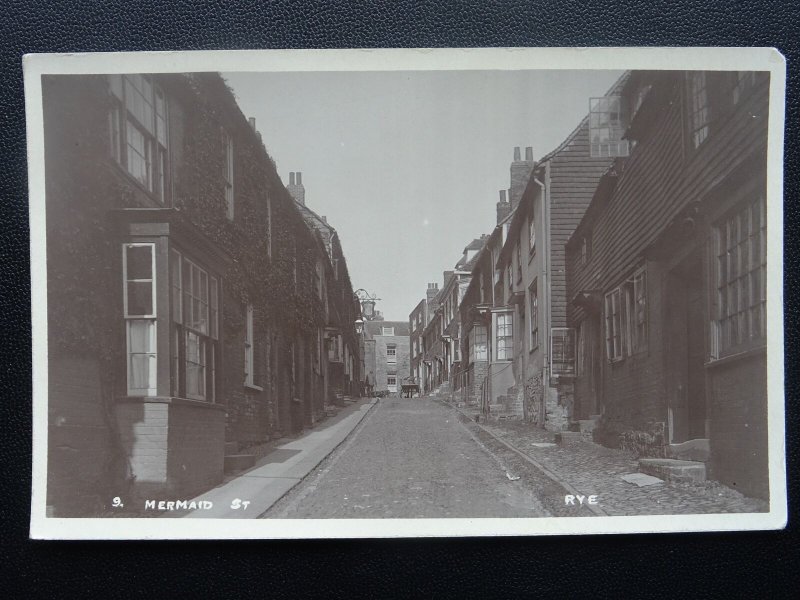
(709, 564)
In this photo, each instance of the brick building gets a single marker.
(392, 359)
(416, 325)
(667, 276)
(187, 296)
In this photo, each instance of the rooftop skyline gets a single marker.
(393, 158)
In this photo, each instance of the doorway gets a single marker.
(685, 329)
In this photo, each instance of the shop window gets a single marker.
(741, 280)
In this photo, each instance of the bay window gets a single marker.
(504, 336)
(195, 321)
(139, 304)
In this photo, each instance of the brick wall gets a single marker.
(80, 476)
(196, 447)
(402, 365)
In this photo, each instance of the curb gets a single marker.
(364, 414)
(550, 474)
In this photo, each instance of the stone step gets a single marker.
(694, 450)
(670, 469)
(231, 447)
(239, 462)
(567, 438)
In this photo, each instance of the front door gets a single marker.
(685, 327)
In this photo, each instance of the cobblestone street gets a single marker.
(421, 458)
(411, 458)
(590, 468)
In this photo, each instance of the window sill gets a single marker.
(171, 400)
(734, 358)
(135, 182)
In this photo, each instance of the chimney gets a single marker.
(296, 188)
(503, 207)
(433, 289)
(520, 174)
(252, 121)
(446, 276)
(324, 219)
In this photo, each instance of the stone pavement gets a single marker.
(280, 470)
(590, 468)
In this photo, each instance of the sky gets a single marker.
(407, 165)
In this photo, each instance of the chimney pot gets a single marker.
(291, 178)
(529, 153)
(502, 195)
(299, 178)
(517, 157)
(252, 121)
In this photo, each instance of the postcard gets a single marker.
(396, 293)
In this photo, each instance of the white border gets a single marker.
(764, 59)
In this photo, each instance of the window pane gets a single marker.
(139, 262)
(140, 298)
(141, 357)
(175, 276)
(138, 155)
(141, 336)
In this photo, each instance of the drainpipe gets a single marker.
(545, 196)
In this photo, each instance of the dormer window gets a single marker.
(606, 127)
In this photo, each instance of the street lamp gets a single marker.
(359, 325)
